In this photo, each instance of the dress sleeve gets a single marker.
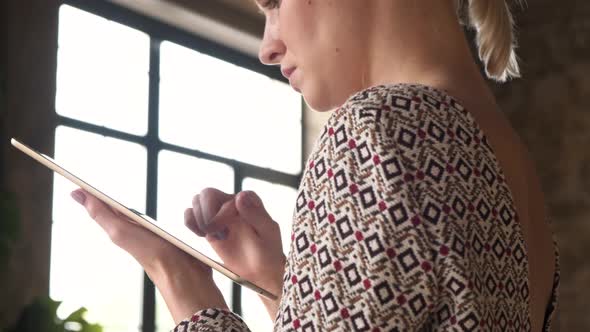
(398, 188)
(212, 320)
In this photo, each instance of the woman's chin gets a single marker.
(318, 101)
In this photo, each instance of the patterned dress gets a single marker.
(404, 222)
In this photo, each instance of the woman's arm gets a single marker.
(176, 280)
(185, 283)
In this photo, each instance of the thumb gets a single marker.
(252, 211)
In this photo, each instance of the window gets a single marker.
(152, 115)
(262, 116)
(86, 268)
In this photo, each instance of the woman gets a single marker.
(419, 209)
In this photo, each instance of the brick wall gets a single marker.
(550, 109)
(28, 54)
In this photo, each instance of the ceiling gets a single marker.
(241, 14)
(235, 23)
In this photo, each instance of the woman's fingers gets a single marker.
(225, 217)
(146, 247)
(191, 223)
(207, 204)
(103, 216)
(251, 210)
(241, 232)
(214, 211)
(211, 201)
(116, 226)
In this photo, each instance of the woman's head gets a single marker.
(333, 48)
(324, 40)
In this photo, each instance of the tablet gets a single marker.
(140, 218)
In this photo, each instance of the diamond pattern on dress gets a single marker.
(422, 232)
(407, 200)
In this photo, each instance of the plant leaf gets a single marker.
(77, 316)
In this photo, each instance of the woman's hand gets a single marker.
(244, 236)
(185, 283)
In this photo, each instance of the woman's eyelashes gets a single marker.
(271, 4)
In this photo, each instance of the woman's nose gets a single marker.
(269, 57)
(271, 50)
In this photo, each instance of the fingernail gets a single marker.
(251, 200)
(221, 235)
(78, 196)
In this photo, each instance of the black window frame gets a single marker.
(158, 32)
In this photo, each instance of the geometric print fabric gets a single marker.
(403, 222)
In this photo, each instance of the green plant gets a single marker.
(41, 314)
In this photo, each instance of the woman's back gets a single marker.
(522, 179)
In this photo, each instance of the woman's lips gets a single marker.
(288, 71)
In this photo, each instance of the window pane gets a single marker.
(180, 177)
(87, 269)
(223, 109)
(102, 71)
(279, 201)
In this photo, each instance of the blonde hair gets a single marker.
(495, 36)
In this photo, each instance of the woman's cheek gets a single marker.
(296, 21)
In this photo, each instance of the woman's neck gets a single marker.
(420, 44)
